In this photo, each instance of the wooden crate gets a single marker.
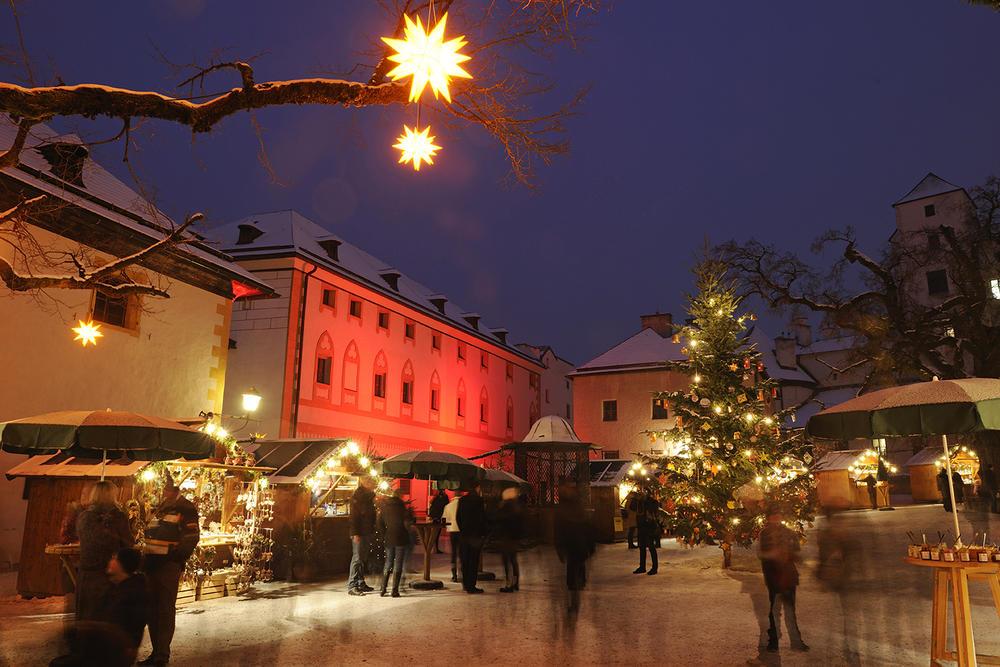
(186, 594)
(212, 587)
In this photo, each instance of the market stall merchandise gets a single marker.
(925, 465)
(840, 479)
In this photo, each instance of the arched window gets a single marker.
(460, 405)
(406, 390)
(324, 368)
(435, 398)
(351, 373)
(510, 417)
(484, 409)
(380, 384)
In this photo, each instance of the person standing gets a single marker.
(872, 485)
(471, 515)
(362, 529)
(942, 484)
(574, 542)
(509, 531)
(436, 512)
(126, 606)
(779, 550)
(648, 528)
(450, 518)
(988, 486)
(393, 520)
(956, 478)
(103, 529)
(175, 516)
(630, 511)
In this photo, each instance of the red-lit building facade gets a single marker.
(354, 348)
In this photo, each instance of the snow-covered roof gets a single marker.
(840, 460)
(930, 186)
(765, 345)
(99, 192)
(646, 349)
(926, 456)
(287, 233)
(824, 345)
(551, 428)
(62, 465)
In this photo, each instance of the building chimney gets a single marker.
(802, 330)
(501, 335)
(661, 323)
(785, 351)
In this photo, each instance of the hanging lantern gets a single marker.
(416, 146)
(427, 58)
(87, 333)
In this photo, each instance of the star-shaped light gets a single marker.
(416, 146)
(427, 58)
(88, 333)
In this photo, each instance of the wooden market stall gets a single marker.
(608, 487)
(925, 465)
(234, 549)
(840, 479)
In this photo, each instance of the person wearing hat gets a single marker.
(176, 520)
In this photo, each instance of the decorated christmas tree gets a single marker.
(728, 457)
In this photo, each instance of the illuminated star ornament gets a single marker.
(427, 58)
(88, 333)
(416, 146)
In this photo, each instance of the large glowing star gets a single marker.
(427, 58)
(416, 146)
(88, 332)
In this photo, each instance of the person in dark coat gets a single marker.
(362, 529)
(471, 517)
(872, 485)
(392, 520)
(103, 529)
(779, 550)
(574, 541)
(942, 484)
(959, 483)
(176, 520)
(988, 486)
(508, 533)
(126, 606)
(648, 528)
(436, 513)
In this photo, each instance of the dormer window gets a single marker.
(439, 301)
(66, 160)
(248, 234)
(331, 247)
(391, 278)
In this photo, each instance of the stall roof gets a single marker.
(841, 460)
(608, 472)
(926, 456)
(62, 465)
(294, 459)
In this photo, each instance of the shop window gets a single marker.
(609, 410)
(383, 319)
(410, 330)
(659, 408)
(323, 367)
(329, 298)
(355, 308)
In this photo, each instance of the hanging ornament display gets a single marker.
(427, 58)
(741, 398)
(704, 402)
(416, 146)
(746, 362)
(87, 333)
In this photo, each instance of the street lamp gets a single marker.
(251, 401)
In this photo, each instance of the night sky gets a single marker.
(713, 120)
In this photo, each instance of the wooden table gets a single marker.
(955, 576)
(429, 531)
(66, 553)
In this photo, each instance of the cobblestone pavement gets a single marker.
(691, 613)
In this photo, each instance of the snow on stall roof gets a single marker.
(645, 349)
(110, 192)
(290, 232)
(926, 456)
(930, 185)
(840, 460)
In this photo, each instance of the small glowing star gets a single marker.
(88, 332)
(416, 147)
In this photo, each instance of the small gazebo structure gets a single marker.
(550, 455)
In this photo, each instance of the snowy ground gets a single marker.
(692, 613)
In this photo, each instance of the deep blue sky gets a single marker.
(773, 119)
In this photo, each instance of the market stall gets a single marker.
(312, 482)
(609, 485)
(840, 479)
(234, 549)
(925, 465)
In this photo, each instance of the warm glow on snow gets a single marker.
(427, 58)
(416, 147)
(87, 332)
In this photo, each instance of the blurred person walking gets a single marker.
(397, 540)
(450, 517)
(630, 510)
(362, 529)
(471, 516)
(779, 551)
(508, 534)
(648, 526)
(176, 520)
(102, 527)
(574, 541)
(435, 512)
(872, 485)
